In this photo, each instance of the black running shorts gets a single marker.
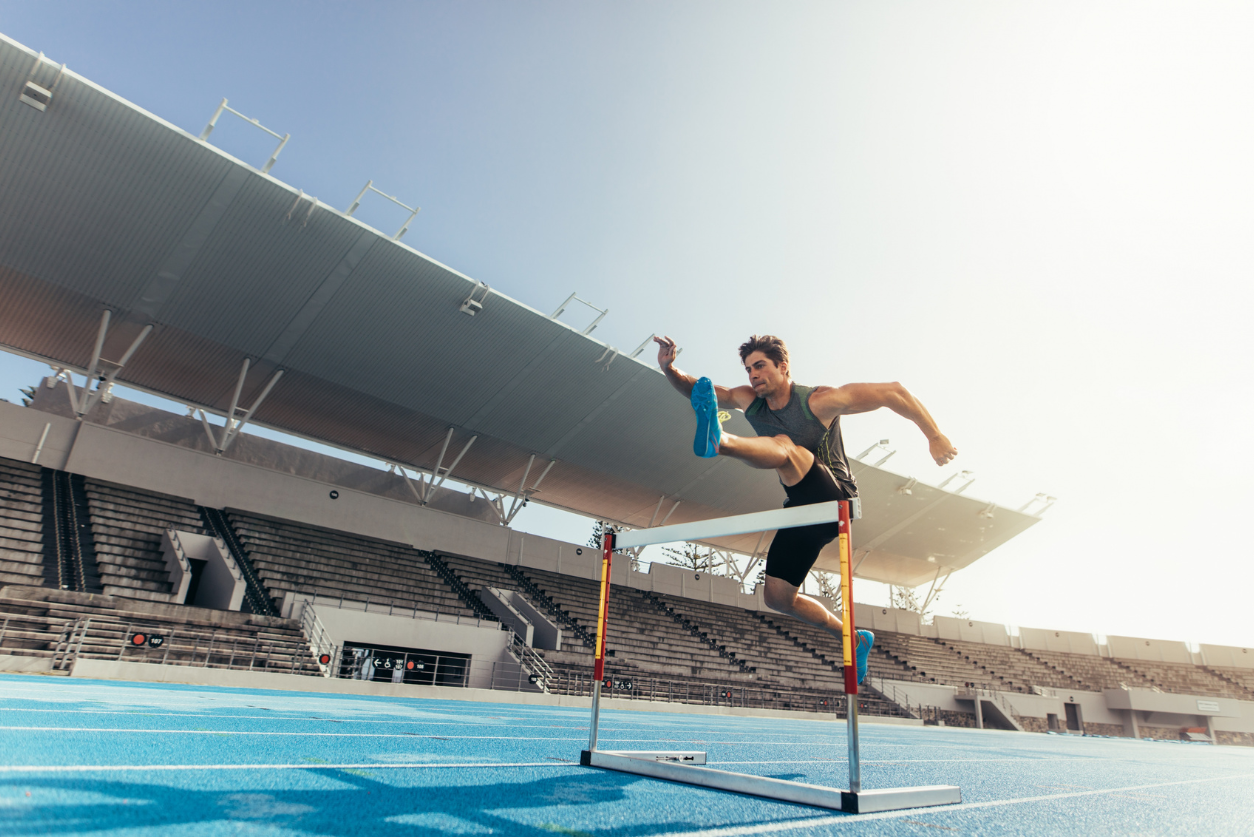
(794, 551)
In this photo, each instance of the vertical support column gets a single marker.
(603, 613)
(848, 641)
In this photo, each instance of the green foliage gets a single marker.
(689, 557)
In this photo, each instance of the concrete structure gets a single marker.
(221, 585)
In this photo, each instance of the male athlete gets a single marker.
(798, 431)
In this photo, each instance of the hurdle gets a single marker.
(686, 766)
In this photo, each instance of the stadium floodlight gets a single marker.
(640, 348)
(882, 443)
(969, 476)
(601, 312)
(36, 95)
(472, 306)
(1044, 499)
(213, 123)
(369, 187)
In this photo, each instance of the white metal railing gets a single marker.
(529, 659)
(209, 649)
(320, 642)
(70, 643)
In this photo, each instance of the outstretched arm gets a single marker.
(727, 397)
(829, 402)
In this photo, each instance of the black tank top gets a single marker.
(799, 424)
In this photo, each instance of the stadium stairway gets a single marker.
(69, 542)
(476, 575)
(256, 599)
(35, 621)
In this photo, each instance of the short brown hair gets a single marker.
(767, 344)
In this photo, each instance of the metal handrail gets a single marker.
(320, 641)
(528, 658)
(218, 651)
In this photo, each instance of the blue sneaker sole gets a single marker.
(705, 405)
(862, 652)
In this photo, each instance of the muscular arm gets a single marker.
(738, 397)
(829, 402)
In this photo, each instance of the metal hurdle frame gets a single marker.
(684, 766)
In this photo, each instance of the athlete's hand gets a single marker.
(942, 449)
(666, 352)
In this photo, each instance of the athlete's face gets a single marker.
(765, 376)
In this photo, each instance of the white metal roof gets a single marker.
(104, 206)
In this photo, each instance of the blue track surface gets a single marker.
(90, 757)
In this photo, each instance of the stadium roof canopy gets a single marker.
(208, 266)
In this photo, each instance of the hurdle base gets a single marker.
(895, 799)
(862, 802)
(670, 756)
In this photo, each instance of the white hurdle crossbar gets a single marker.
(684, 766)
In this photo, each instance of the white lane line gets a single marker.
(703, 742)
(842, 760)
(93, 768)
(395, 735)
(133, 713)
(819, 822)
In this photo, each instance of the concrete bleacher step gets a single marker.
(290, 557)
(127, 526)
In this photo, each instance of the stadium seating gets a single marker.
(638, 632)
(1094, 673)
(306, 559)
(126, 525)
(1242, 677)
(1184, 678)
(934, 662)
(1012, 667)
(660, 646)
(35, 619)
(21, 523)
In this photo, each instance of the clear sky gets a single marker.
(1034, 215)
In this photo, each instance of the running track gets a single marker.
(80, 757)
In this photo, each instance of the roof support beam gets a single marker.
(433, 485)
(934, 590)
(435, 472)
(92, 396)
(233, 425)
(95, 352)
(417, 492)
(522, 491)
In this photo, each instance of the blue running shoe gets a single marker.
(705, 403)
(865, 640)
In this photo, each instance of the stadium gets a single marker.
(206, 629)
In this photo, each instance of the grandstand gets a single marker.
(142, 544)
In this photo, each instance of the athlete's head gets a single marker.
(766, 363)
